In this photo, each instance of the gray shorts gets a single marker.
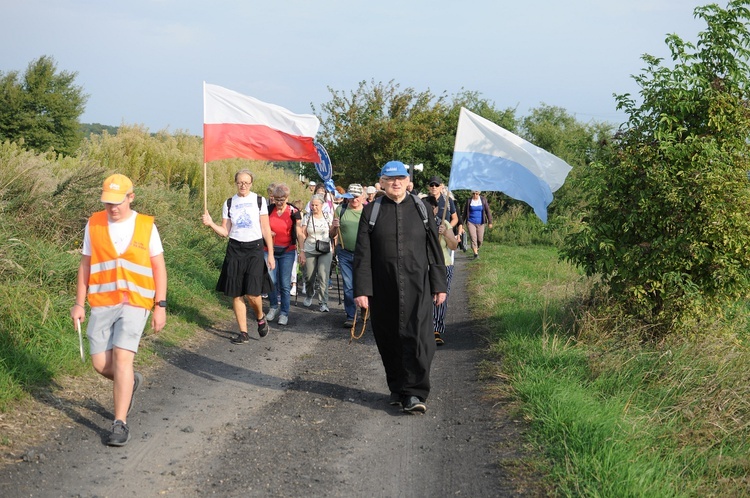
(120, 325)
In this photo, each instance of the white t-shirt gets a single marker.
(121, 234)
(245, 217)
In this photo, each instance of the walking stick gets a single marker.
(80, 340)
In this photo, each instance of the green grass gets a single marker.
(614, 417)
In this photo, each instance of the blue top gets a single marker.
(475, 213)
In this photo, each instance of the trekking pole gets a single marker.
(338, 283)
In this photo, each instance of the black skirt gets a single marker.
(244, 272)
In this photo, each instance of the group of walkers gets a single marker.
(394, 250)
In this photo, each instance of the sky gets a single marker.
(143, 62)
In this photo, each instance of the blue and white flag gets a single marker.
(489, 157)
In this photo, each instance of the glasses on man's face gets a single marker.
(244, 184)
(433, 185)
(391, 179)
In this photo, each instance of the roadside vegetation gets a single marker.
(45, 200)
(613, 415)
(619, 329)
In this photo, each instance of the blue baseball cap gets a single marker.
(394, 168)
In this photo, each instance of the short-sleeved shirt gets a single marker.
(121, 234)
(349, 226)
(245, 217)
(283, 225)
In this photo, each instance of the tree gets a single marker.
(42, 109)
(378, 122)
(559, 133)
(667, 223)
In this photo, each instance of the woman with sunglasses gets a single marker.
(477, 214)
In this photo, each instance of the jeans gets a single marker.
(346, 266)
(281, 277)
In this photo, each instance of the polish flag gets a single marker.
(235, 125)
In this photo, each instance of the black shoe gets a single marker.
(263, 327)
(394, 399)
(137, 379)
(413, 404)
(120, 434)
(439, 340)
(241, 338)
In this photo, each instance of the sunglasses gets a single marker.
(434, 184)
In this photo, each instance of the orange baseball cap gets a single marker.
(116, 188)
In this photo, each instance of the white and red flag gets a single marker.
(235, 125)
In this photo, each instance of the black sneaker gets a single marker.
(120, 434)
(263, 327)
(413, 404)
(241, 338)
(137, 379)
(439, 340)
(394, 399)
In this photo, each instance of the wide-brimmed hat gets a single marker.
(116, 188)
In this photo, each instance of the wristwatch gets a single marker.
(162, 304)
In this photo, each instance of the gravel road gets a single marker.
(301, 412)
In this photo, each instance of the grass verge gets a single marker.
(614, 416)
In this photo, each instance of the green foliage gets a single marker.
(88, 129)
(41, 110)
(666, 225)
(378, 122)
(614, 416)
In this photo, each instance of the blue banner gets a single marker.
(324, 168)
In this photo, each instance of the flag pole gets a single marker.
(205, 189)
(205, 175)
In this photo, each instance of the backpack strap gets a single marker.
(374, 213)
(417, 202)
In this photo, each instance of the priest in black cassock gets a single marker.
(399, 273)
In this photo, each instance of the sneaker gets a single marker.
(308, 302)
(293, 290)
(439, 340)
(137, 379)
(241, 338)
(272, 314)
(413, 404)
(348, 323)
(120, 434)
(264, 296)
(263, 327)
(394, 399)
(304, 290)
(323, 308)
(283, 319)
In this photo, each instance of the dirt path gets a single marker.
(300, 412)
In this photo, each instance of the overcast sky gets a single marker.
(145, 61)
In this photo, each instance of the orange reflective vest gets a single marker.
(125, 278)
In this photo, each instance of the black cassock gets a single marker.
(399, 265)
